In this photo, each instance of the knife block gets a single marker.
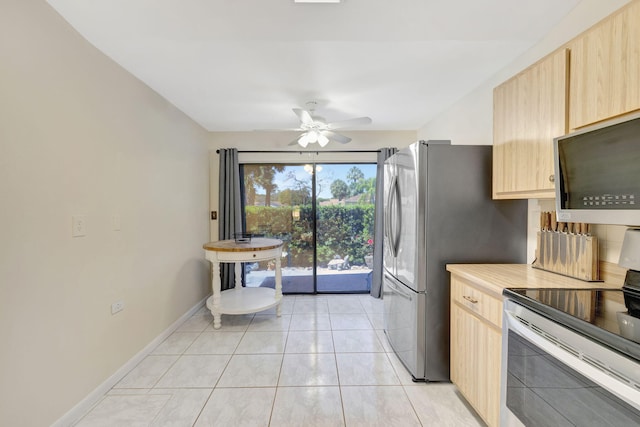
(573, 255)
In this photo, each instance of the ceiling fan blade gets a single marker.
(336, 136)
(350, 122)
(303, 115)
(279, 130)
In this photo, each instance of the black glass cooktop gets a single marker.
(609, 316)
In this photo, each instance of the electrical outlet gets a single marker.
(78, 226)
(117, 307)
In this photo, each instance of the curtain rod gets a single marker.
(306, 152)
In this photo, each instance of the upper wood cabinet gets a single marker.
(529, 110)
(605, 69)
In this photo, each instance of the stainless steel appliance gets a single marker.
(596, 173)
(569, 358)
(438, 210)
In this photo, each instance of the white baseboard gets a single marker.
(79, 410)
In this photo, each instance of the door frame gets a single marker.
(351, 161)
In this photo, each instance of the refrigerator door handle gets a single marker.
(388, 219)
(396, 238)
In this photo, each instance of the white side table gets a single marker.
(241, 300)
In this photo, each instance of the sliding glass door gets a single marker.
(324, 216)
(344, 224)
(278, 203)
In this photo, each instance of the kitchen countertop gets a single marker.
(496, 277)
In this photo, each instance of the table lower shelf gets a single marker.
(245, 300)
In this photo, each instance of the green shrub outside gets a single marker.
(342, 230)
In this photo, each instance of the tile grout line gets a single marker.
(176, 361)
(221, 373)
(178, 358)
(275, 395)
(335, 359)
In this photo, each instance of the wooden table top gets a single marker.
(256, 244)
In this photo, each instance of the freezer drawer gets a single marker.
(404, 324)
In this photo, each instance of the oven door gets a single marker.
(552, 376)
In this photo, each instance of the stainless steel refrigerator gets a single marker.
(438, 210)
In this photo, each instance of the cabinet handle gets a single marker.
(470, 299)
(552, 178)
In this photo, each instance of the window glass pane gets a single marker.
(345, 213)
(278, 204)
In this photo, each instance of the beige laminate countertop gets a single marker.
(496, 277)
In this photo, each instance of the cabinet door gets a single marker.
(475, 362)
(488, 356)
(464, 336)
(529, 110)
(605, 69)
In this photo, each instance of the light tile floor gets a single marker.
(324, 362)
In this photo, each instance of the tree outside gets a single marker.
(354, 177)
(260, 176)
(339, 189)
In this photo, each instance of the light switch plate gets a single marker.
(78, 226)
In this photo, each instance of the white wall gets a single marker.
(279, 141)
(80, 136)
(470, 120)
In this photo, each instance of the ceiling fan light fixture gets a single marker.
(322, 140)
(304, 140)
(313, 136)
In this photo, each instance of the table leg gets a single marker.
(215, 284)
(278, 286)
(238, 269)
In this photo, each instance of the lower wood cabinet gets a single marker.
(476, 345)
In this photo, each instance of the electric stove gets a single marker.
(570, 357)
(606, 316)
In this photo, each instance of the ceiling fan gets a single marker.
(317, 129)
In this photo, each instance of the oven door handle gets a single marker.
(618, 388)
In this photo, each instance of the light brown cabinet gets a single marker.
(476, 346)
(529, 110)
(595, 77)
(605, 69)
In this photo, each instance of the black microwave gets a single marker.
(597, 173)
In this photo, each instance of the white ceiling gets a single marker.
(238, 65)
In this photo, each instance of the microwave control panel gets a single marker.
(609, 200)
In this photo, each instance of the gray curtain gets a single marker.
(229, 202)
(378, 227)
